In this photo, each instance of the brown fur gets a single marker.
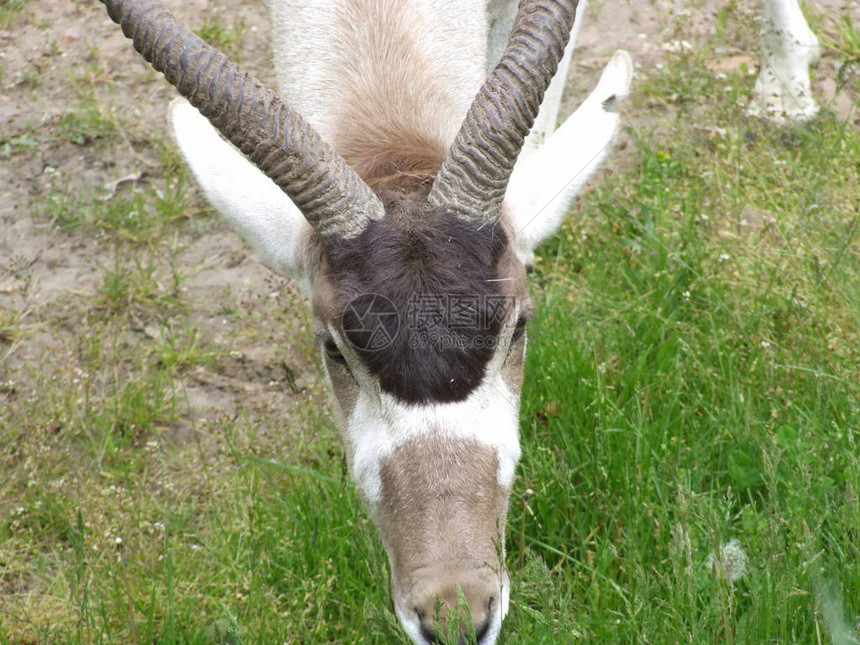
(444, 512)
(388, 124)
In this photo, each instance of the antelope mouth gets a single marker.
(471, 612)
(445, 538)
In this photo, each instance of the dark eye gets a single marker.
(520, 329)
(333, 352)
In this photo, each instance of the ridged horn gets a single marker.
(473, 179)
(332, 197)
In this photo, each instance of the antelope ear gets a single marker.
(259, 211)
(544, 184)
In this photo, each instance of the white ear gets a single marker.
(544, 184)
(547, 117)
(259, 211)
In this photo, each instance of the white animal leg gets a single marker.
(251, 202)
(782, 91)
(543, 186)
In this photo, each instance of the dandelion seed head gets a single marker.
(732, 563)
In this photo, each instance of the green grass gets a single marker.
(692, 380)
(9, 11)
(88, 121)
(227, 38)
(843, 38)
(696, 381)
(132, 211)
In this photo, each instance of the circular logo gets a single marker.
(370, 322)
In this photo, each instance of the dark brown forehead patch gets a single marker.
(422, 303)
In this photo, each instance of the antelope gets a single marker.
(398, 177)
(378, 178)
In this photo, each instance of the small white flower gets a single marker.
(677, 46)
(725, 257)
(686, 295)
(732, 562)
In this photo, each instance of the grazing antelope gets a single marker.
(383, 179)
(378, 178)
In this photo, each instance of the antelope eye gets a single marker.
(333, 352)
(520, 329)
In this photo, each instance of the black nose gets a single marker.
(427, 631)
(457, 611)
(481, 629)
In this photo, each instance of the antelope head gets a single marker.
(418, 292)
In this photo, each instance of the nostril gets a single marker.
(475, 630)
(481, 629)
(426, 630)
(430, 635)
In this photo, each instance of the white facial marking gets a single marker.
(380, 422)
(411, 624)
